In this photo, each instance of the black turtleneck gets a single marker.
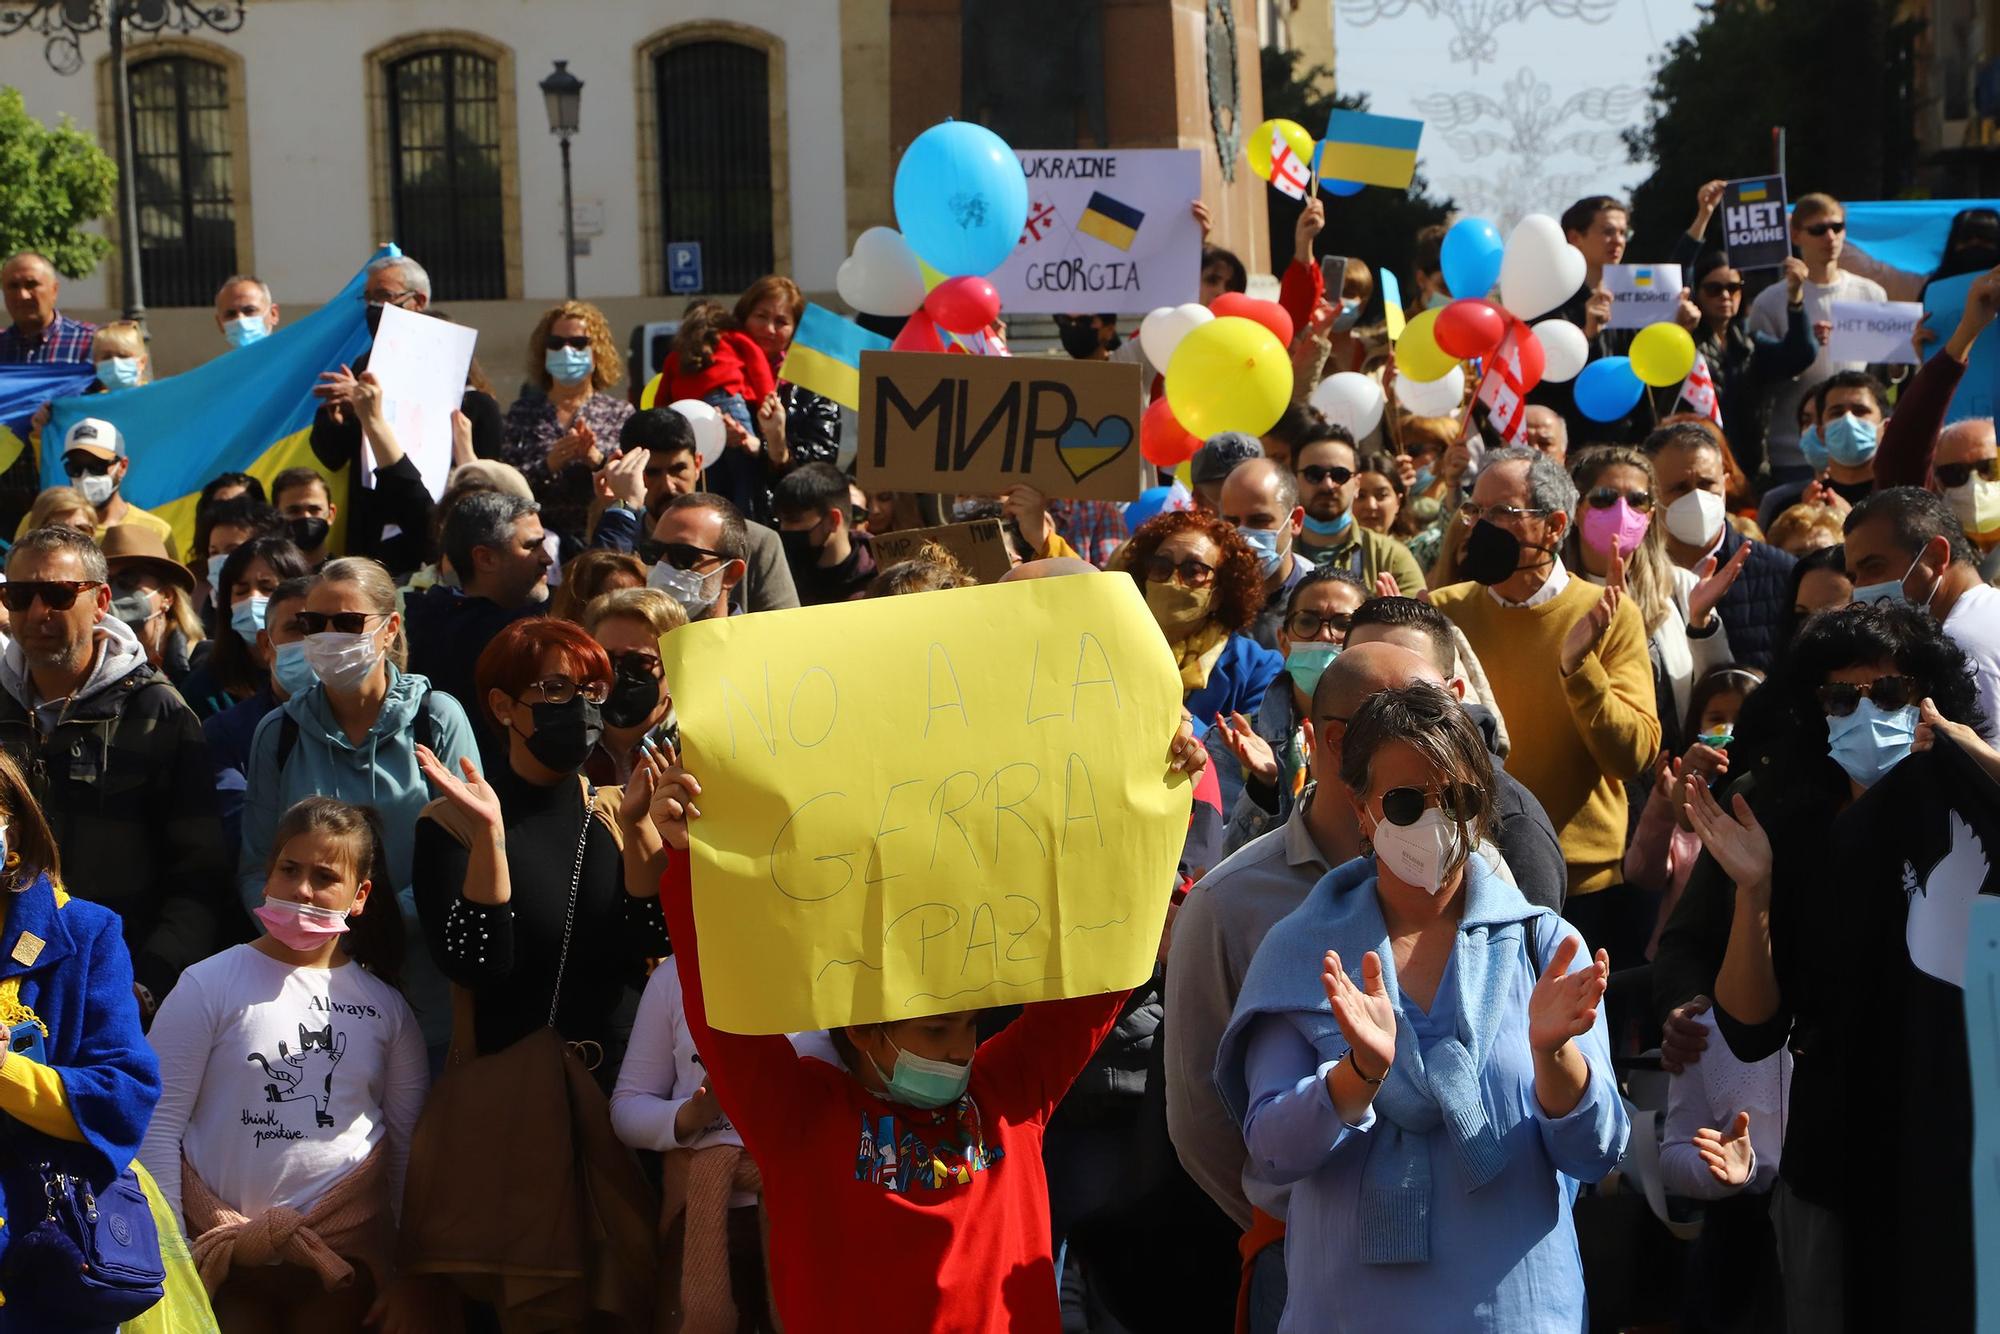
(507, 955)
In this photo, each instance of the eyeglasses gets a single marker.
(56, 594)
(561, 690)
(1469, 512)
(1952, 475)
(1839, 699)
(1311, 624)
(1604, 497)
(1721, 289)
(556, 342)
(1193, 574)
(86, 467)
(1405, 805)
(386, 299)
(680, 555)
(649, 663)
(1313, 474)
(1822, 228)
(345, 622)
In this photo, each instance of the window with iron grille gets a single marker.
(182, 170)
(444, 170)
(714, 117)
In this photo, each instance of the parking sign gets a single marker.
(684, 266)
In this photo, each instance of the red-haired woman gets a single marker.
(1203, 585)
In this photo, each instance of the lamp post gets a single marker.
(63, 23)
(563, 92)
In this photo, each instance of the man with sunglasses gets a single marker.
(95, 462)
(1819, 234)
(699, 552)
(1328, 473)
(115, 757)
(1966, 472)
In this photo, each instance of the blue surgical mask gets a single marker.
(1871, 741)
(1891, 590)
(246, 618)
(1329, 528)
(118, 372)
(1811, 446)
(1264, 541)
(1425, 476)
(290, 670)
(918, 1081)
(215, 564)
(1307, 662)
(569, 365)
(1850, 440)
(245, 330)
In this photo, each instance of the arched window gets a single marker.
(183, 173)
(713, 119)
(444, 170)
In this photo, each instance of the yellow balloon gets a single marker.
(1259, 148)
(1662, 354)
(1230, 374)
(649, 397)
(1417, 354)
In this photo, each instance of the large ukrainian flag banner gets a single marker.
(249, 410)
(23, 390)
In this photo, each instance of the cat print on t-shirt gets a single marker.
(302, 1075)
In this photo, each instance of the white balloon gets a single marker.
(1564, 349)
(709, 437)
(881, 277)
(1161, 332)
(1350, 400)
(1539, 269)
(1433, 398)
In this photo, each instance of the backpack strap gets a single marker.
(425, 731)
(288, 736)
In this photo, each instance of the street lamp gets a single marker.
(62, 23)
(564, 93)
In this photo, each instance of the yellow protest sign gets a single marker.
(937, 802)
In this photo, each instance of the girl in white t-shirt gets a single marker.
(293, 1073)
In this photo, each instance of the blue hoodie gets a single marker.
(380, 772)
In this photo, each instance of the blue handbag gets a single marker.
(92, 1259)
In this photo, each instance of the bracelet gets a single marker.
(1356, 1068)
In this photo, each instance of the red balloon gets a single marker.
(964, 305)
(1534, 359)
(1470, 328)
(1267, 313)
(918, 335)
(1164, 441)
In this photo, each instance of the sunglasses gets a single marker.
(1952, 475)
(86, 467)
(1604, 497)
(1311, 624)
(556, 342)
(1822, 228)
(56, 594)
(642, 661)
(1721, 289)
(1193, 574)
(680, 555)
(344, 622)
(561, 690)
(1469, 512)
(1404, 806)
(1840, 699)
(1313, 474)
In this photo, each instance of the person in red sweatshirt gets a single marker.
(718, 363)
(925, 1152)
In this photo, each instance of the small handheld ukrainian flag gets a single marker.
(1375, 150)
(825, 356)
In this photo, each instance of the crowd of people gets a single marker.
(1578, 822)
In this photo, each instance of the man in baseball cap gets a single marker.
(94, 459)
(1215, 460)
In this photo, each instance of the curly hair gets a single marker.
(931, 570)
(702, 327)
(607, 366)
(1239, 581)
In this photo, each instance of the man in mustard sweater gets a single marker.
(1571, 676)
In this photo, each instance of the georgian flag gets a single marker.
(1291, 176)
(1698, 392)
(1500, 390)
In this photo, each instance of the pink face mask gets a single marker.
(300, 926)
(1621, 524)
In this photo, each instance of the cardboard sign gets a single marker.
(1108, 232)
(978, 546)
(1875, 332)
(1944, 303)
(937, 422)
(1642, 294)
(1754, 229)
(929, 803)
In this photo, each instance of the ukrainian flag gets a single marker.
(23, 390)
(1375, 150)
(1111, 222)
(249, 410)
(1754, 194)
(825, 356)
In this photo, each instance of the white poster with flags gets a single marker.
(1698, 392)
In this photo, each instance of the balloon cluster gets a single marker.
(1228, 368)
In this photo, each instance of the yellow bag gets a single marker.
(185, 1308)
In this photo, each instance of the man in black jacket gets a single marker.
(116, 759)
(494, 542)
(1688, 498)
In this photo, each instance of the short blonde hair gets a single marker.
(120, 338)
(379, 589)
(651, 607)
(55, 500)
(607, 366)
(1816, 205)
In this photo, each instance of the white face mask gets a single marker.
(96, 488)
(342, 662)
(1696, 517)
(1423, 854)
(695, 592)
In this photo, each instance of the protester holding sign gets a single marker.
(1745, 366)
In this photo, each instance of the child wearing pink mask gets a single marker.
(293, 1072)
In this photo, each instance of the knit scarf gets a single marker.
(1198, 654)
(696, 1185)
(351, 1219)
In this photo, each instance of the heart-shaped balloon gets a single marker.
(1540, 269)
(1349, 400)
(1161, 332)
(881, 277)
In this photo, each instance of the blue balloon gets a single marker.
(1335, 186)
(1149, 505)
(1607, 389)
(1470, 257)
(961, 199)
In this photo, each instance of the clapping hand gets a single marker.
(1712, 584)
(579, 446)
(1251, 751)
(1734, 838)
(1584, 636)
(1564, 1004)
(1683, 1037)
(470, 799)
(623, 480)
(1366, 1016)
(1727, 1152)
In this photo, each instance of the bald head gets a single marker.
(1258, 484)
(1051, 568)
(1365, 670)
(1968, 441)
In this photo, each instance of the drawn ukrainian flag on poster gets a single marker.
(23, 390)
(249, 410)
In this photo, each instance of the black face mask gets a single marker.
(307, 534)
(1491, 554)
(1079, 340)
(565, 734)
(374, 317)
(800, 553)
(635, 693)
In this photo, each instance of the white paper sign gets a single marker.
(1108, 232)
(421, 364)
(1874, 332)
(1642, 294)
